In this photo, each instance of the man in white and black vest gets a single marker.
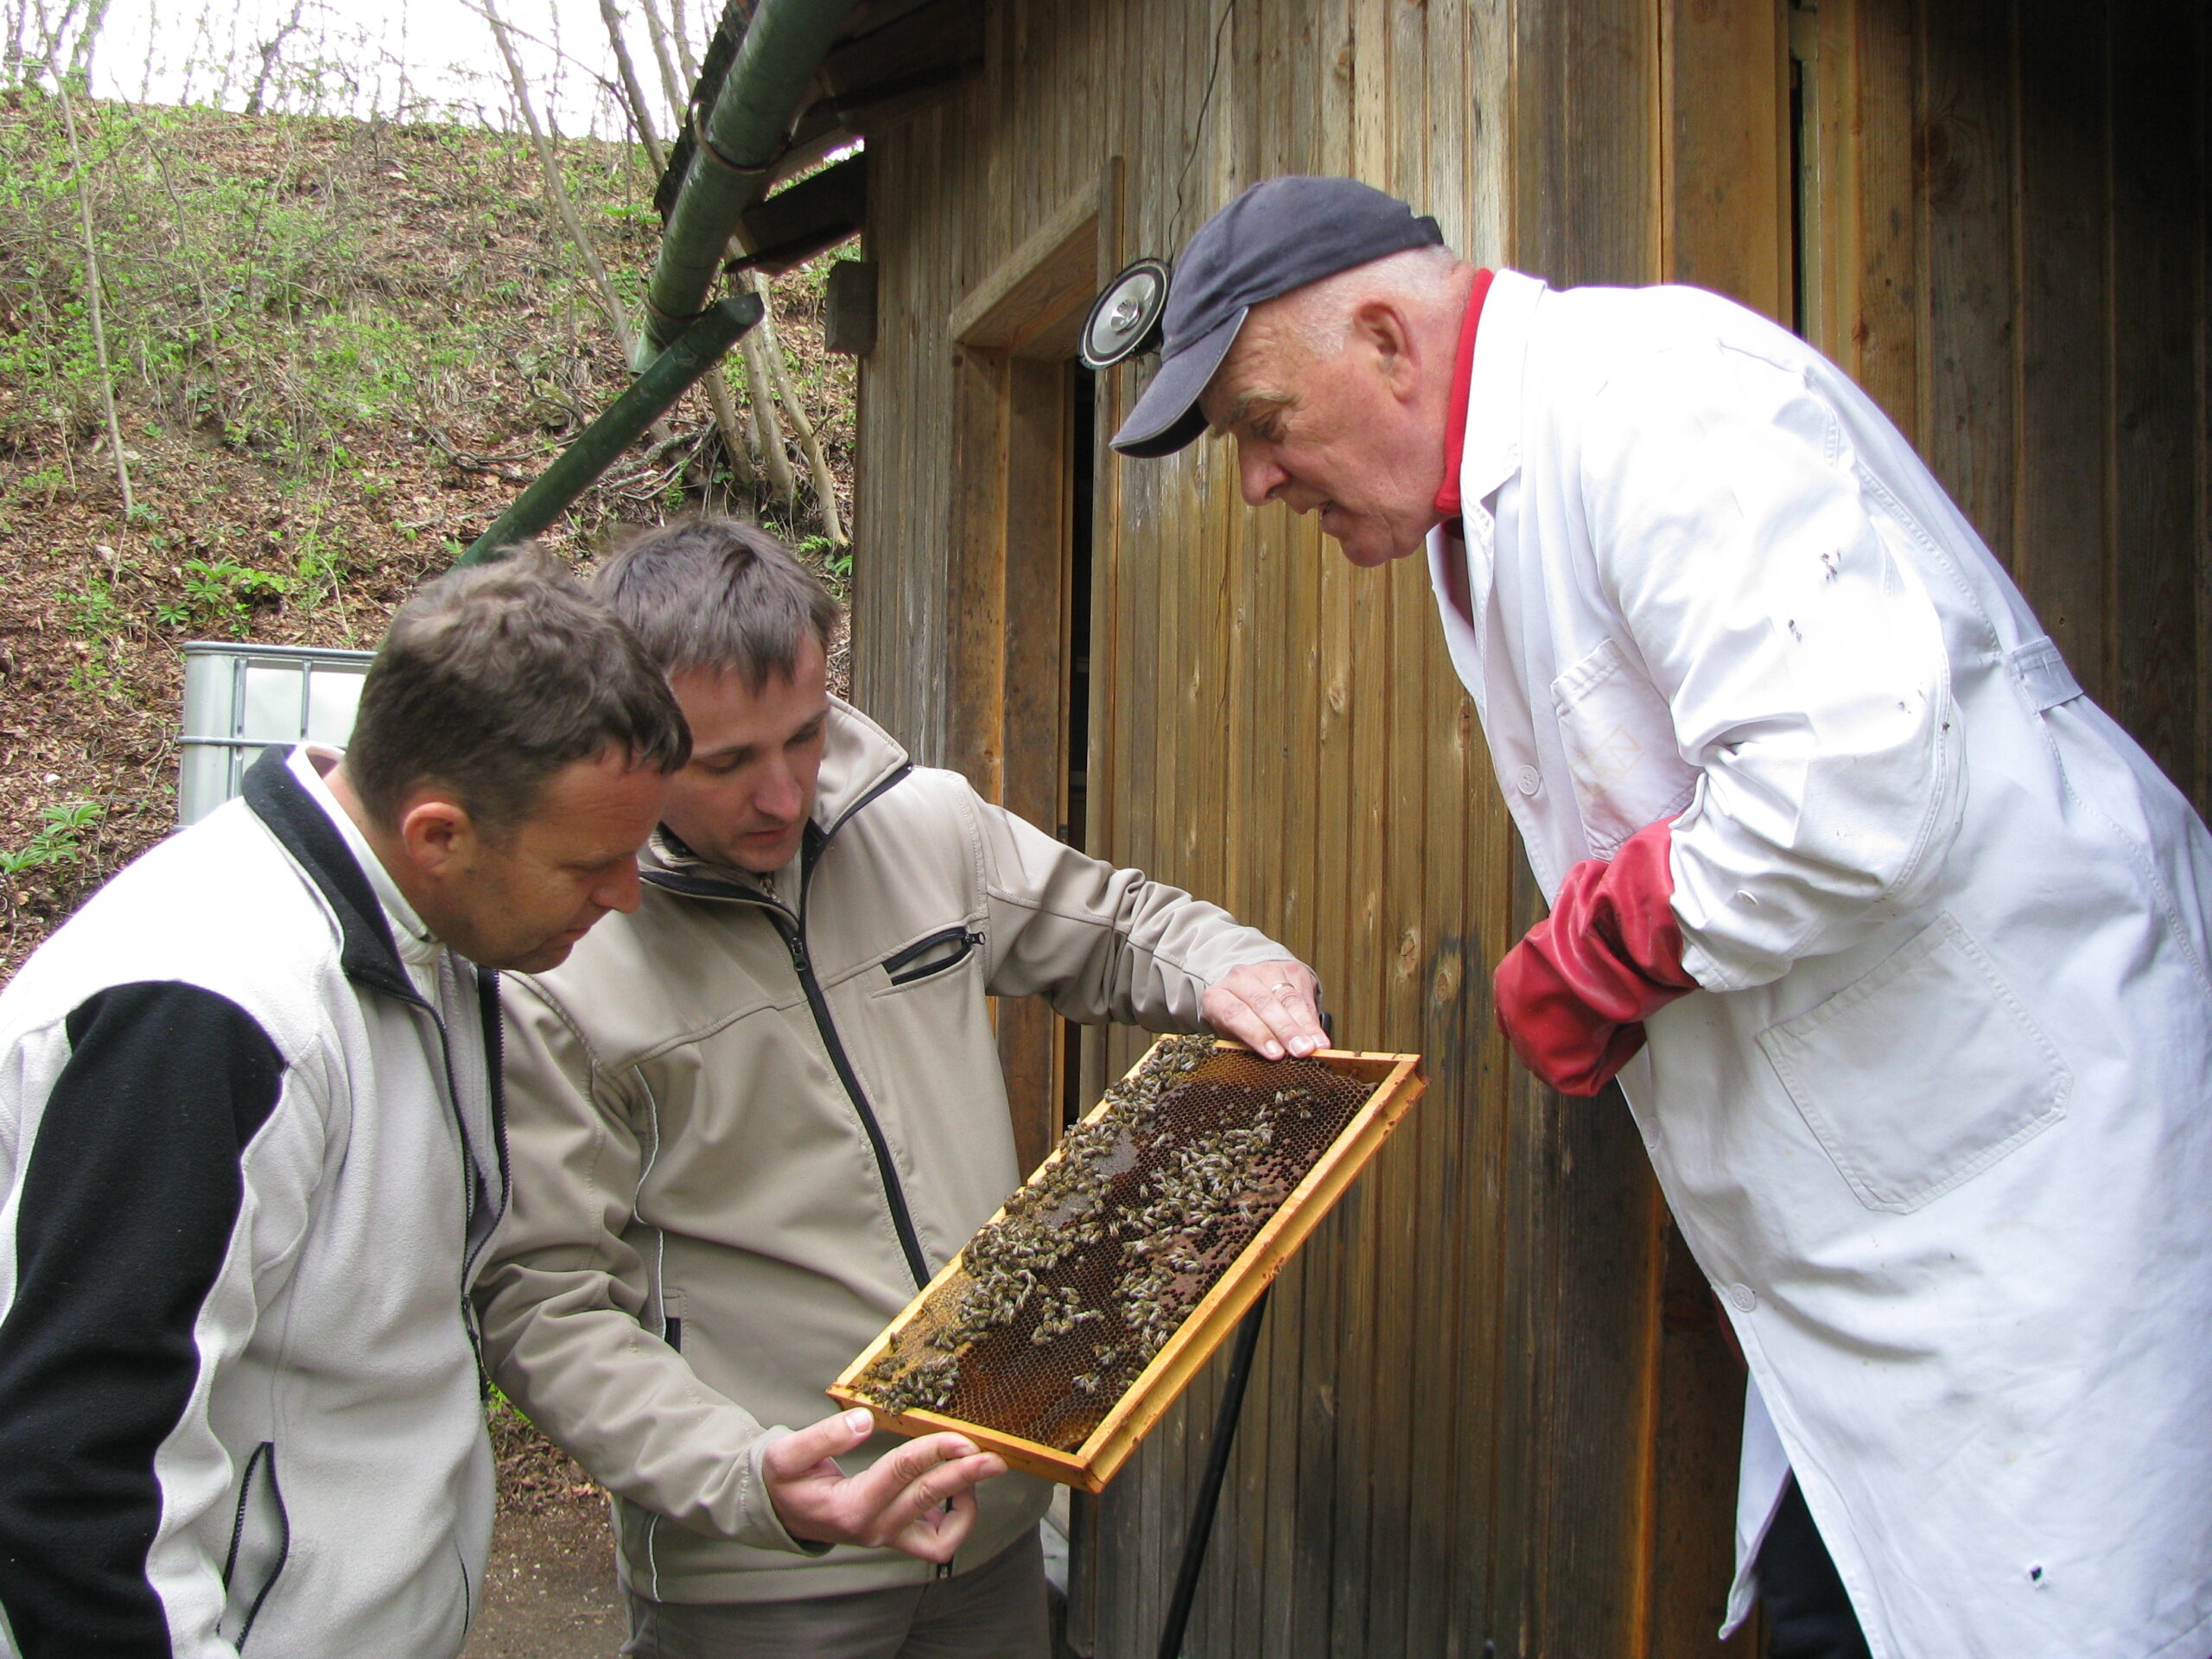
(251, 1150)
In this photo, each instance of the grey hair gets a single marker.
(494, 677)
(1319, 316)
(718, 595)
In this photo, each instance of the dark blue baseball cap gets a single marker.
(1275, 237)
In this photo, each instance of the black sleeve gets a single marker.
(130, 1193)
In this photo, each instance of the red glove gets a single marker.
(1573, 995)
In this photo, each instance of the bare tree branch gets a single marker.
(92, 287)
(632, 93)
(80, 53)
(760, 382)
(678, 91)
(548, 163)
(809, 444)
(267, 51)
(732, 430)
(675, 27)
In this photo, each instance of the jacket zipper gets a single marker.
(894, 1195)
(494, 1059)
(793, 928)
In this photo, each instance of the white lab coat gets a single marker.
(1939, 1128)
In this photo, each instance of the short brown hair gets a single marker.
(492, 678)
(718, 596)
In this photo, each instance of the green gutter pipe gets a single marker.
(746, 132)
(669, 375)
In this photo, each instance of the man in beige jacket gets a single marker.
(748, 1121)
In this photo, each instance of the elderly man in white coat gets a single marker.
(1895, 941)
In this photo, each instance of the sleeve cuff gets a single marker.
(760, 1526)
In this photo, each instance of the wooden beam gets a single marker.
(977, 576)
(819, 212)
(848, 308)
(1724, 185)
(1055, 270)
(1033, 559)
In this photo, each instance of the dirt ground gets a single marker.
(549, 1591)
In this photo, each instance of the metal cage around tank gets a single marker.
(239, 699)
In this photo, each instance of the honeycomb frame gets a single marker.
(1394, 1083)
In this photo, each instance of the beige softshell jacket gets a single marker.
(748, 1120)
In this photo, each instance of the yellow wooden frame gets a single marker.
(1398, 1082)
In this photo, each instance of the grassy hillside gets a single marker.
(339, 349)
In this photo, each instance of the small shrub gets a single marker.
(59, 840)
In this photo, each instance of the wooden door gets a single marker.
(1025, 443)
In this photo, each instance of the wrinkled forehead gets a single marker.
(1262, 367)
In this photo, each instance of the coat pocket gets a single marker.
(261, 1539)
(940, 953)
(1923, 1073)
(1619, 738)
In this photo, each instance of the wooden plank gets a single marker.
(1524, 1424)
(2156, 544)
(1967, 364)
(1700, 1389)
(1478, 1060)
(1032, 553)
(1166, 1462)
(1209, 860)
(1880, 326)
(1607, 1226)
(981, 437)
(1725, 181)
(1359, 791)
(1427, 740)
(1108, 580)
(1325, 1529)
(1086, 1563)
(1128, 681)
(1281, 803)
(1033, 287)
(1582, 147)
(1397, 880)
(1315, 114)
(1258, 829)
(2059, 552)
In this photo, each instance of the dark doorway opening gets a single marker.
(1075, 741)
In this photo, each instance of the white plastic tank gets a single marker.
(239, 699)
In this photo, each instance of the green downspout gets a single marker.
(578, 466)
(783, 49)
(746, 131)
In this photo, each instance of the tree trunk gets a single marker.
(683, 43)
(635, 94)
(731, 428)
(760, 382)
(548, 163)
(678, 91)
(81, 55)
(268, 49)
(92, 292)
(809, 442)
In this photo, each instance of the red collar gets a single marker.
(1455, 420)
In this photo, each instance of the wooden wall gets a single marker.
(2058, 217)
(1493, 1407)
